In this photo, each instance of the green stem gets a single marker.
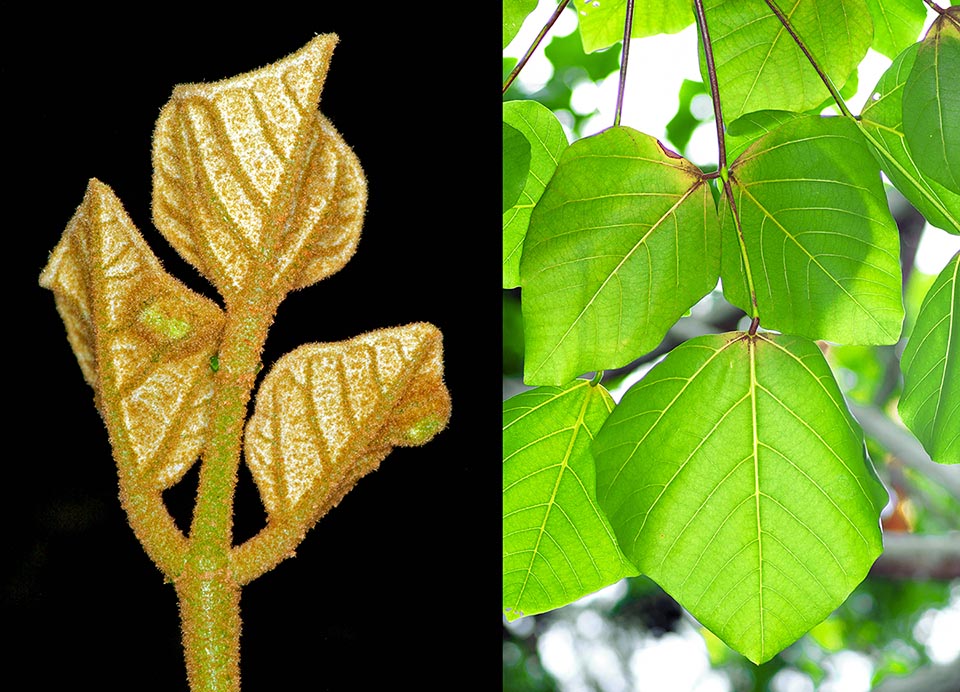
(536, 42)
(624, 54)
(834, 92)
(209, 593)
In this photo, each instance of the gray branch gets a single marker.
(919, 556)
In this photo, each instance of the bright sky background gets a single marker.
(657, 66)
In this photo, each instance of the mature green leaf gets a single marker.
(547, 141)
(882, 124)
(557, 544)
(622, 243)
(516, 164)
(930, 403)
(821, 245)
(571, 64)
(931, 123)
(736, 478)
(514, 13)
(601, 23)
(896, 24)
(759, 65)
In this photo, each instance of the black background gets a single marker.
(398, 585)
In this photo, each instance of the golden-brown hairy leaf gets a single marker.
(250, 178)
(143, 339)
(327, 414)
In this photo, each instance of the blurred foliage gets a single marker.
(571, 68)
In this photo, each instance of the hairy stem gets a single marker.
(624, 54)
(526, 57)
(834, 92)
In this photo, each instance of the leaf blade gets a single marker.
(557, 544)
(819, 238)
(930, 402)
(608, 223)
(720, 489)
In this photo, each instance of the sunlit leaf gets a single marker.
(931, 98)
(622, 243)
(547, 141)
(882, 124)
(896, 24)
(759, 65)
(557, 544)
(143, 339)
(516, 164)
(820, 242)
(514, 14)
(930, 403)
(748, 128)
(601, 23)
(327, 414)
(251, 184)
(736, 478)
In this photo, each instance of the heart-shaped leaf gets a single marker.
(143, 339)
(821, 245)
(251, 184)
(759, 65)
(557, 543)
(623, 241)
(930, 403)
(736, 478)
(327, 414)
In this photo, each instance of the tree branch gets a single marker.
(918, 556)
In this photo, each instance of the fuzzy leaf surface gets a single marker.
(143, 339)
(931, 116)
(547, 142)
(821, 244)
(882, 124)
(250, 180)
(930, 403)
(623, 241)
(327, 414)
(759, 65)
(736, 478)
(557, 543)
(601, 24)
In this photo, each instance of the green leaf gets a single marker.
(736, 478)
(623, 241)
(896, 24)
(882, 124)
(516, 164)
(514, 13)
(931, 123)
(820, 243)
(547, 141)
(601, 23)
(557, 544)
(930, 403)
(760, 67)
